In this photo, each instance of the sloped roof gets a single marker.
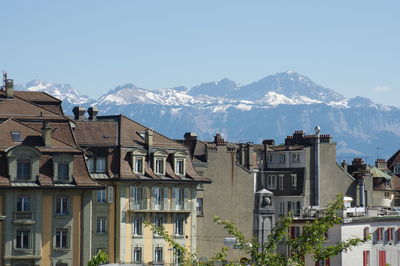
(375, 172)
(96, 133)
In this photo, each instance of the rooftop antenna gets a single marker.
(4, 80)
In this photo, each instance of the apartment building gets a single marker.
(229, 196)
(148, 178)
(45, 188)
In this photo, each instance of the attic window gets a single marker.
(16, 136)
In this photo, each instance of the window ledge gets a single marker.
(61, 249)
(24, 250)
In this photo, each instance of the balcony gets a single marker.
(23, 218)
(159, 209)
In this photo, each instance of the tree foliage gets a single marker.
(100, 258)
(311, 242)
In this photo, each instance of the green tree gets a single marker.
(311, 242)
(100, 258)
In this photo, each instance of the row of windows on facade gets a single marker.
(159, 198)
(62, 205)
(158, 255)
(277, 181)
(98, 165)
(293, 207)
(24, 170)
(295, 157)
(23, 239)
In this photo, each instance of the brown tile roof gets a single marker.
(96, 133)
(20, 108)
(29, 137)
(130, 136)
(61, 130)
(36, 96)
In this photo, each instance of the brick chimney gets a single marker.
(93, 111)
(381, 163)
(79, 112)
(218, 140)
(46, 133)
(149, 138)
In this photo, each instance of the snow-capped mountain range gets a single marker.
(272, 107)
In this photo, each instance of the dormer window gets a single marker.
(159, 162)
(97, 164)
(16, 136)
(179, 163)
(62, 164)
(396, 169)
(23, 169)
(159, 166)
(63, 171)
(138, 159)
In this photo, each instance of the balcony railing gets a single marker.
(23, 215)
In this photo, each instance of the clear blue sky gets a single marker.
(352, 47)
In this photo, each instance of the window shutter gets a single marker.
(166, 205)
(144, 197)
(186, 199)
(110, 194)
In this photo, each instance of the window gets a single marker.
(159, 166)
(158, 254)
(294, 181)
(388, 195)
(101, 225)
(295, 157)
(137, 226)
(282, 158)
(137, 255)
(389, 233)
(61, 238)
(23, 239)
(366, 258)
(280, 182)
(97, 164)
(23, 204)
(296, 208)
(178, 257)
(271, 181)
(23, 169)
(178, 195)
(158, 221)
(180, 166)
(323, 262)
(281, 208)
(382, 258)
(138, 165)
(379, 234)
(63, 171)
(294, 232)
(270, 158)
(199, 207)
(16, 136)
(101, 196)
(179, 226)
(157, 198)
(396, 169)
(136, 197)
(62, 207)
(100, 165)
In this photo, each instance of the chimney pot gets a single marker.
(9, 86)
(79, 112)
(149, 138)
(93, 111)
(46, 133)
(190, 136)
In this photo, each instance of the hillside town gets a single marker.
(71, 186)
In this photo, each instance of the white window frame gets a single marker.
(199, 206)
(178, 198)
(159, 166)
(396, 168)
(137, 226)
(159, 222)
(62, 205)
(294, 181)
(179, 225)
(101, 196)
(158, 255)
(180, 166)
(271, 182)
(24, 176)
(295, 157)
(101, 225)
(282, 208)
(157, 198)
(60, 235)
(24, 199)
(137, 196)
(282, 158)
(138, 164)
(137, 255)
(23, 232)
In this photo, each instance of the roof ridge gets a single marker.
(34, 104)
